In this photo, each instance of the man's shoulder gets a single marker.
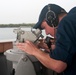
(73, 10)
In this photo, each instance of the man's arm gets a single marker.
(50, 63)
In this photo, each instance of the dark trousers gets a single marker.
(3, 64)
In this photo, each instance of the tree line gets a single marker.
(17, 25)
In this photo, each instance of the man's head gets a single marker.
(50, 14)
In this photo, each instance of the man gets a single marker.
(63, 57)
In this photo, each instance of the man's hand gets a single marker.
(43, 45)
(27, 47)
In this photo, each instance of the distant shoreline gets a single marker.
(16, 25)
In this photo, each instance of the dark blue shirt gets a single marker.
(66, 42)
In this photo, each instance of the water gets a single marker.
(8, 34)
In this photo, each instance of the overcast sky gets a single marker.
(27, 11)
